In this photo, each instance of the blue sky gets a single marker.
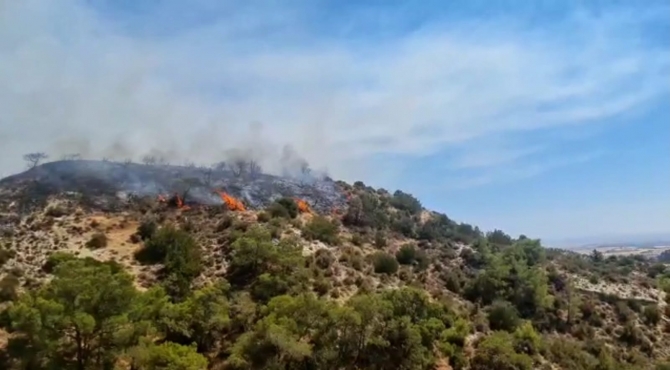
(548, 118)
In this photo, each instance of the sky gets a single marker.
(544, 118)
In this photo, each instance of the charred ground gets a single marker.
(98, 181)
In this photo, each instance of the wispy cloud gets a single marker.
(516, 171)
(74, 79)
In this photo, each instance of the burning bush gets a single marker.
(232, 203)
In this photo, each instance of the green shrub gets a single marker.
(97, 241)
(631, 334)
(380, 239)
(323, 258)
(180, 256)
(527, 340)
(405, 226)
(56, 259)
(284, 208)
(568, 354)
(6, 255)
(147, 229)
(405, 202)
(56, 211)
(167, 246)
(384, 263)
(406, 255)
(263, 217)
(357, 239)
(497, 352)
(322, 286)
(652, 314)
(322, 229)
(453, 281)
(9, 288)
(503, 316)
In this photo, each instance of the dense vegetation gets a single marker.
(446, 294)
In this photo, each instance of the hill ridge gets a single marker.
(296, 279)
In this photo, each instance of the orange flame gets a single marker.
(232, 203)
(303, 207)
(180, 203)
(175, 200)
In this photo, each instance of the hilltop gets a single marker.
(199, 185)
(266, 272)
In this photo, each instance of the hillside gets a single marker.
(119, 265)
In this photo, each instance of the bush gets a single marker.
(322, 229)
(56, 211)
(380, 239)
(452, 281)
(284, 208)
(8, 288)
(503, 316)
(406, 255)
(568, 354)
(97, 241)
(497, 352)
(167, 245)
(5, 255)
(263, 217)
(322, 286)
(56, 259)
(527, 340)
(651, 314)
(404, 225)
(357, 240)
(147, 229)
(410, 255)
(405, 202)
(384, 263)
(180, 255)
(631, 334)
(323, 258)
(225, 223)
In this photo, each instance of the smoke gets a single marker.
(197, 81)
(71, 83)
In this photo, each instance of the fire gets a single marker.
(303, 207)
(180, 203)
(232, 203)
(175, 201)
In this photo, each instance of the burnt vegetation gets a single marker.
(375, 281)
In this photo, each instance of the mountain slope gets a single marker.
(381, 284)
(113, 179)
